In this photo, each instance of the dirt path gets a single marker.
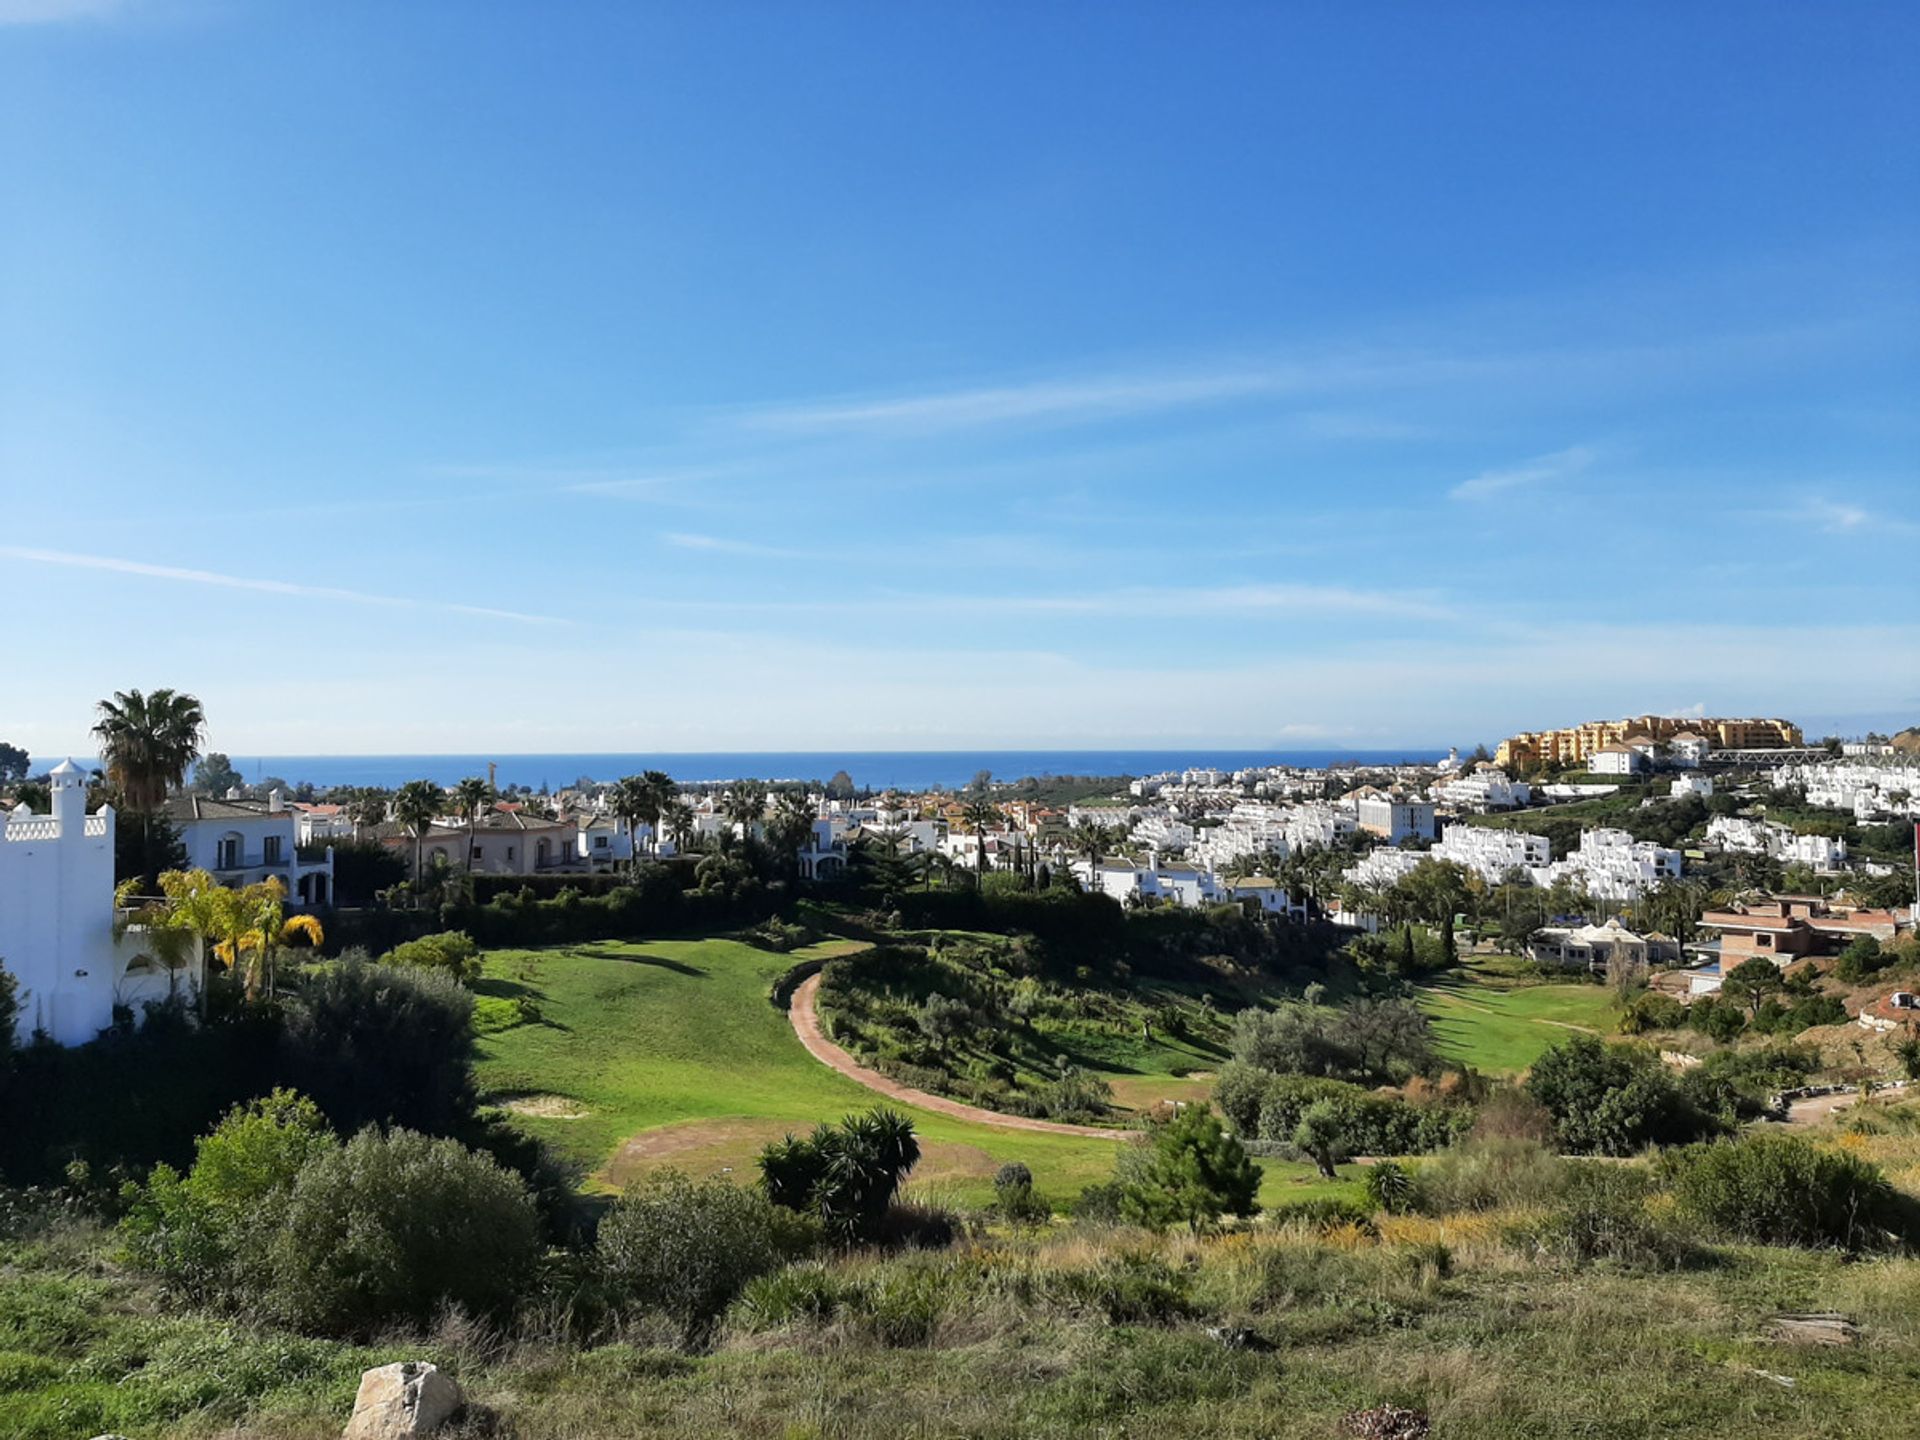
(806, 1024)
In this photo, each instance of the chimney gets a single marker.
(276, 802)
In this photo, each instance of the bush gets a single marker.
(1013, 1196)
(1612, 1099)
(1603, 1215)
(1492, 1174)
(1100, 1203)
(1195, 1173)
(1390, 1187)
(1652, 1011)
(686, 1248)
(1368, 1123)
(1862, 959)
(381, 1045)
(452, 952)
(395, 1227)
(846, 1174)
(205, 1234)
(1783, 1190)
(808, 1292)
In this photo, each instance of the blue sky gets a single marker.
(465, 377)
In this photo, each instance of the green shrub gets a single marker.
(1126, 1289)
(846, 1174)
(1602, 1215)
(1613, 1099)
(1862, 959)
(1365, 1122)
(1489, 1174)
(205, 1234)
(1784, 1190)
(1652, 1011)
(383, 1045)
(1323, 1212)
(685, 1248)
(1194, 1173)
(1100, 1203)
(1390, 1187)
(391, 1227)
(804, 1293)
(451, 952)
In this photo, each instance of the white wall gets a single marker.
(56, 922)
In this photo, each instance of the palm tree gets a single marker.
(791, 824)
(744, 803)
(658, 792)
(470, 796)
(678, 821)
(1091, 840)
(415, 805)
(367, 809)
(631, 802)
(977, 815)
(149, 742)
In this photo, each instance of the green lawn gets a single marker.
(668, 1052)
(1501, 1030)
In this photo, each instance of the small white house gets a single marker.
(1616, 760)
(1700, 785)
(244, 842)
(57, 921)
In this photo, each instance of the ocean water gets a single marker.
(879, 769)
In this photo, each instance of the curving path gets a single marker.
(806, 1024)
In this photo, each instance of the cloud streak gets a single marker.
(184, 575)
(722, 545)
(1540, 470)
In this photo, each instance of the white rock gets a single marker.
(399, 1401)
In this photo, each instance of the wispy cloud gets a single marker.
(1540, 470)
(1836, 517)
(1139, 603)
(1040, 400)
(721, 544)
(184, 575)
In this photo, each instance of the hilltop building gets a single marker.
(1689, 740)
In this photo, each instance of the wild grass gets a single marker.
(1062, 1333)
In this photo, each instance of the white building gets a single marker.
(1612, 865)
(1482, 788)
(1493, 854)
(57, 921)
(1688, 751)
(1616, 760)
(244, 842)
(1393, 819)
(1700, 785)
(1385, 866)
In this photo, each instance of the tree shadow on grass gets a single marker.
(678, 967)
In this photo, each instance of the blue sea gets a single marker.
(877, 769)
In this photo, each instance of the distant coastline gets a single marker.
(878, 769)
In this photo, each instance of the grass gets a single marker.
(1501, 1030)
(1068, 1337)
(668, 1052)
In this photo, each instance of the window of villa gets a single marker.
(272, 849)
